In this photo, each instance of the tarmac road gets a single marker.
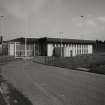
(47, 85)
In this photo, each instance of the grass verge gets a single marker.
(9, 94)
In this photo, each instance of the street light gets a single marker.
(27, 42)
(83, 21)
(1, 34)
(1, 26)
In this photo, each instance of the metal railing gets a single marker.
(44, 59)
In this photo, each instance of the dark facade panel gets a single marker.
(1, 39)
(43, 46)
(99, 47)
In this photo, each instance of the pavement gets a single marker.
(48, 85)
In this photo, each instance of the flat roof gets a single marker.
(63, 40)
(22, 40)
(52, 40)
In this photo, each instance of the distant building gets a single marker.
(99, 46)
(22, 47)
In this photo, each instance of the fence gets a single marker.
(44, 59)
(5, 59)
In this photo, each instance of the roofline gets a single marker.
(20, 38)
(65, 40)
(55, 40)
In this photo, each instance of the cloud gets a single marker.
(79, 24)
(22, 9)
(101, 18)
(88, 23)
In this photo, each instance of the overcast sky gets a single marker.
(39, 18)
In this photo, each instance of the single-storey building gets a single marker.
(21, 47)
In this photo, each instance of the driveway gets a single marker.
(47, 85)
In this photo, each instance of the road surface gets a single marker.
(47, 85)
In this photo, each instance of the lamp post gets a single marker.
(29, 35)
(1, 17)
(83, 21)
(27, 42)
(1, 26)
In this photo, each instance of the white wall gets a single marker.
(66, 51)
(73, 50)
(69, 48)
(50, 49)
(11, 49)
(90, 49)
